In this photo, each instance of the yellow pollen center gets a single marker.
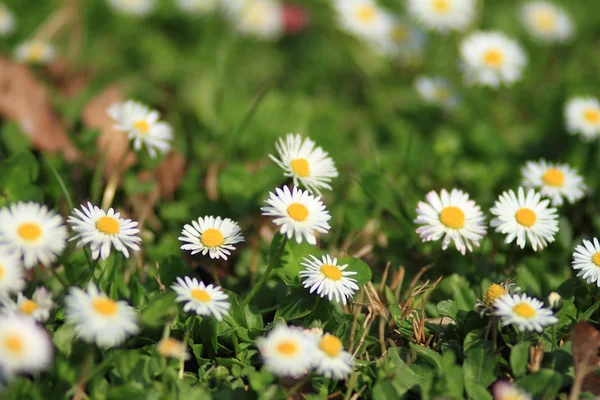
(30, 231)
(1, 271)
(366, 14)
(108, 225)
(142, 126)
(524, 310)
(14, 344)
(300, 167)
(441, 6)
(452, 217)
(287, 348)
(201, 295)
(28, 307)
(36, 52)
(331, 345)
(105, 306)
(212, 238)
(596, 259)
(168, 346)
(553, 177)
(298, 211)
(332, 272)
(526, 217)
(591, 115)
(493, 292)
(493, 58)
(399, 34)
(546, 21)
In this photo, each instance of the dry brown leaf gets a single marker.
(25, 100)
(67, 79)
(112, 144)
(586, 342)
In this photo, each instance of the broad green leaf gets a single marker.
(160, 306)
(170, 268)
(545, 384)
(363, 271)
(480, 366)
(447, 308)
(297, 304)
(519, 357)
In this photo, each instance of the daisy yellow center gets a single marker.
(255, 15)
(36, 52)
(441, 6)
(553, 177)
(331, 345)
(493, 292)
(298, 211)
(399, 34)
(493, 58)
(332, 272)
(212, 238)
(526, 217)
(596, 259)
(14, 344)
(366, 14)
(1, 271)
(546, 21)
(452, 217)
(288, 348)
(201, 295)
(591, 115)
(142, 126)
(168, 346)
(108, 225)
(106, 307)
(300, 167)
(28, 307)
(442, 94)
(524, 310)
(29, 231)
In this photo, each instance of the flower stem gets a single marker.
(265, 276)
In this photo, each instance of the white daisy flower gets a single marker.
(200, 298)
(582, 115)
(328, 279)
(287, 351)
(524, 217)
(525, 312)
(211, 235)
(133, 7)
(436, 90)
(7, 20)
(35, 52)
(402, 40)
(11, 274)
(363, 19)
(25, 347)
(102, 230)
(331, 360)
(260, 18)
(451, 216)
(143, 126)
(503, 390)
(554, 181)
(169, 347)
(546, 21)
(32, 232)
(198, 7)
(306, 164)
(98, 319)
(299, 213)
(38, 307)
(492, 59)
(586, 259)
(443, 15)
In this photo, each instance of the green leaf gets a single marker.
(480, 366)
(519, 356)
(363, 271)
(447, 308)
(431, 357)
(297, 304)
(170, 268)
(288, 267)
(160, 306)
(545, 384)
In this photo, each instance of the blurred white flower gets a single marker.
(25, 347)
(436, 90)
(402, 40)
(491, 59)
(586, 260)
(7, 20)
(169, 347)
(546, 21)
(582, 115)
(287, 351)
(35, 52)
(503, 390)
(443, 15)
(32, 232)
(198, 7)
(363, 19)
(331, 360)
(525, 216)
(554, 181)
(11, 274)
(554, 300)
(38, 307)
(453, 217)
(525, 312)
(260, 18)
(133, 7)
(143, 126)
